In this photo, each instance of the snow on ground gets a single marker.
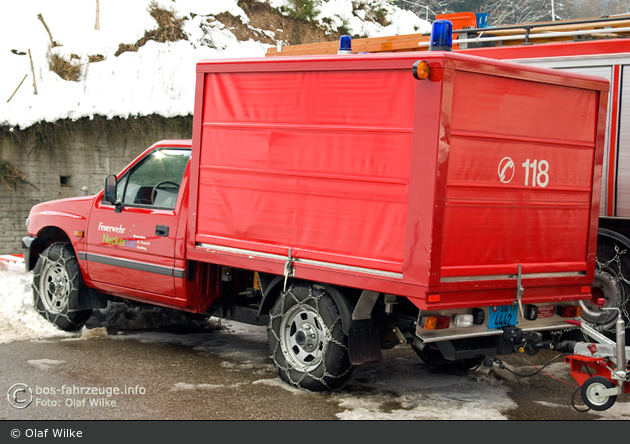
(18, 319)
(159, 78)
(381, 391)
(244, 348)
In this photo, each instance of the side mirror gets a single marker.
(111, 192)
(111, 189)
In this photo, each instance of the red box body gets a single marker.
(437, 189)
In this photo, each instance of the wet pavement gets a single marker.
(224, 373)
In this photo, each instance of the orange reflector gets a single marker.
(78, 233)
(435, 322)
(434, 298)
(421, 70)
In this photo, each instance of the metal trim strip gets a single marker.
(133, 265)
(259, 254)
(513, 276)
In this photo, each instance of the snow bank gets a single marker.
(159, 78)
(18, 319)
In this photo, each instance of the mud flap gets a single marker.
(89, 298)
(364, 343)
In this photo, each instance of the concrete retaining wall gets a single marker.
(58, 159)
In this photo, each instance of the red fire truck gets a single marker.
(598, 46)
(350, 203)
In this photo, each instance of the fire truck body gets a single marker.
(350, 203)
(597, 46)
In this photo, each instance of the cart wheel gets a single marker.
(590, 393)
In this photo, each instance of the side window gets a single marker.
(155, 180)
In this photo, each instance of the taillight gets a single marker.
(569, 311)
(435, 322)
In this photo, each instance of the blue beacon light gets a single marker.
(345, 45)
(441, 36)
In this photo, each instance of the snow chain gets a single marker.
(47, 262)
(601, 266)
(321, 292)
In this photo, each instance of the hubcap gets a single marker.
(55, 289)
(303, 337)
(593, 394)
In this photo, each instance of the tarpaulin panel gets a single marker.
(361, 98)
(520, 182)
(314, 161)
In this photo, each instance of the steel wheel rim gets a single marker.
(303, 337)
(592, 394)
(54, 289)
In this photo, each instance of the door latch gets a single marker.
(161, 230)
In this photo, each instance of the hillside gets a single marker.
(65, 61)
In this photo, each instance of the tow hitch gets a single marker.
(600, 367)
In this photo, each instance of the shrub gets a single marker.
(64, 68)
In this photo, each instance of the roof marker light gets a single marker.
(441, 36)
(345, 45)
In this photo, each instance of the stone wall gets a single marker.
(58, 159)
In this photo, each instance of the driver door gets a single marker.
(134, 249)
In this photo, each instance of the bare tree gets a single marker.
(511, 12)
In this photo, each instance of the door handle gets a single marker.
(161, 230)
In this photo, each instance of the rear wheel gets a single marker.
(609, 284)
(306, 340)
(57, 285)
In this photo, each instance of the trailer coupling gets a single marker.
(600, 367)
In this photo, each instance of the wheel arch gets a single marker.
(604, 232)
(45, 238)
(345, 298)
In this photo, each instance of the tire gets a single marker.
(609, 284)
(435, 360)
(57, 285)
(590, 393)
(306, 340)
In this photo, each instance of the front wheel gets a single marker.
(57, 284)
(592, 396)
(306, 340)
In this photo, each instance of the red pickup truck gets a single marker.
(351, 204)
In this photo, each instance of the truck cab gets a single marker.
(127, 239)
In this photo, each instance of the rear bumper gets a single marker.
(501, 342)
(447, 335)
